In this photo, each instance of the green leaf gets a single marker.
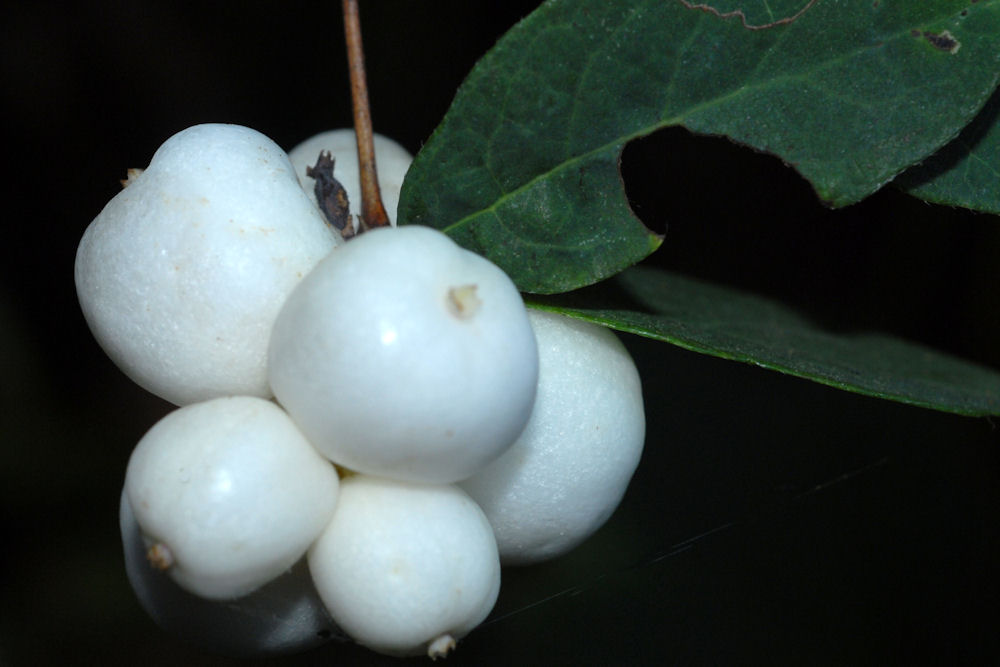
(966, 172)
(753, 15)
(733, 325)
(524, 167)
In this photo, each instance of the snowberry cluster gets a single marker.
(366, 429)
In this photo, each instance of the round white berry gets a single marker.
(570, 467)
(406, 568)
(392, 159)
(283, 616)
(181, 275)
(406, 356)
(228, 494)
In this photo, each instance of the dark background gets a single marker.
(772, 520)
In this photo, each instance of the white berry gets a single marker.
(570, 467)
(181, 275)
(406, 356)
(283, 616)
(228, 494)
(406, 568)
(392, 159)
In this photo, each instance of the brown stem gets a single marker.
(372, 210)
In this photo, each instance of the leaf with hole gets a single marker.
(524, 167)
